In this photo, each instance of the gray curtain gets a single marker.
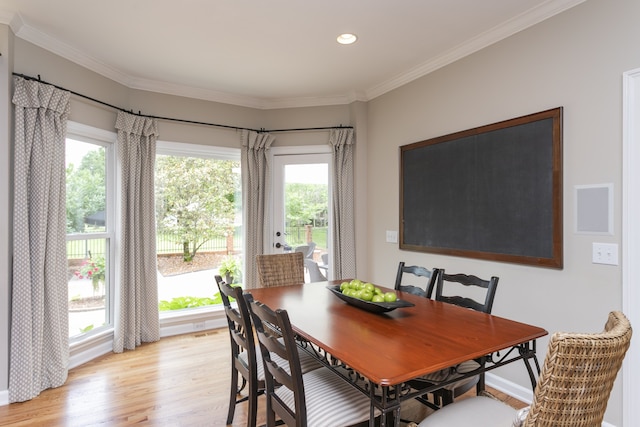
(256, 193)
(343, 263)
(136, 311)
(39, 352)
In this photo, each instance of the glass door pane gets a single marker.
(301, 206)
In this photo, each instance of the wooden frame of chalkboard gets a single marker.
(492, 192)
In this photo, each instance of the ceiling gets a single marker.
(269, 53)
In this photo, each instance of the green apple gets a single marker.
(390, 297)
(366, 295)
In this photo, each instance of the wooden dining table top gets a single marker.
(394, 347)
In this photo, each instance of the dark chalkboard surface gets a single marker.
(493, 192)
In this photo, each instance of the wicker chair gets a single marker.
(280, 269)
(572, 391)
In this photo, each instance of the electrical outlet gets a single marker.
(198, 326)
(605, 253)
(392, 236)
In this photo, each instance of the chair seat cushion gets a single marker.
(453, 372)
(307, 363)
(330, 400)
(477, 411)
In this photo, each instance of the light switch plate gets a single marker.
(605, 253)
(392, 236)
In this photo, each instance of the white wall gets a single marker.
(574, 60)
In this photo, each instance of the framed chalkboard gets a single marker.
(492, 192)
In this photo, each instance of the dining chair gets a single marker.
(243, 353)
(246, 361)
(280, 269)
(484, 292)
(319, 398)
(315, 275)
(572, 391)
(423, 276)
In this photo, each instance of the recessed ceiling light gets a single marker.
(347, 38)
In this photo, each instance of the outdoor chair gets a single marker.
(246, 361)
(312, 248)
(319, 398)
(315, 275)
(280, 269)
(572, 391)
(447, 393)
(427, 279)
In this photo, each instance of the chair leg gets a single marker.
(271, 416)
(253, 404)
(233, 395)
(446, 396)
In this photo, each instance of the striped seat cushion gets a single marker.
(330, 400)
(307, 363)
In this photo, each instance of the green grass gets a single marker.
(296, 236)
(180, 303)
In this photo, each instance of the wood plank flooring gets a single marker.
(178, 381)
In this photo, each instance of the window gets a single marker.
(90, 166)
(198, 223)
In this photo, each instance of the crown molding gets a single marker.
(500, 32)
(53, 45)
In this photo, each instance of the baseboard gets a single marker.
(4, 397)
(180, 328)
(523, 394)
(81, 352)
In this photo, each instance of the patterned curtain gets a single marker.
(343, 263)
(39, 350)
(137, 318)
(256, 193)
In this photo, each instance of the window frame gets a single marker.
(175, 318)
(108, 140)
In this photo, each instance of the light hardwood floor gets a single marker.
(178, 381)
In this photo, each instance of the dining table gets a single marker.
(381, 352)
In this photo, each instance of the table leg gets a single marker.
(530, 353)
(391, 407)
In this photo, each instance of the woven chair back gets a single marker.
(280, 269)
(578, 374)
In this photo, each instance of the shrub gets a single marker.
(93, 269)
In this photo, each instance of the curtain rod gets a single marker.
(262, 130)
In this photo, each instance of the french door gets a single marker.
(301, 206)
